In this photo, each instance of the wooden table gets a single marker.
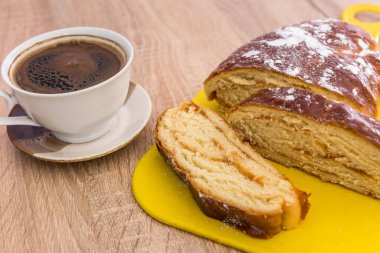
(89, 206)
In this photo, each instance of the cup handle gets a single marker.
(21, 120)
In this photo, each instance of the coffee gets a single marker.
(67, 66)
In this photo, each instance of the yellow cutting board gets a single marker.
(339, 220)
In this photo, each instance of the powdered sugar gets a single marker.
(251, 53)
(290, 91)
(352, 68)
(293, 71)
(341, 36)
(294, 36)
(368, 72)
(270, 63)
(362, 44)
(342, 39)
(288, 42)
(324, 81)
(368, 68)
(365, 48)
(324, 28)
(289, 97)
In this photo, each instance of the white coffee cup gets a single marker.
(78, 116)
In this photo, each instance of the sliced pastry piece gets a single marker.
(301, 129)
(328, 57)
(228, 179)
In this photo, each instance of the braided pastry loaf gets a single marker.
(228, 179)
(328, 57)
(302, 129)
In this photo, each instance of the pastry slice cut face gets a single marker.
(327, 57)
(326, 138)
(228, 179)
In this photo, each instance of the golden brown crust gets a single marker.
(266, 226)
(259, 226)
(304, 202)
(318, 108)
(337, 57)
(325, 138)
(256, 225)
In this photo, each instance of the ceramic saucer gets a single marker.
(42, 144)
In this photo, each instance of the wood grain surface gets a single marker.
(89, 206)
